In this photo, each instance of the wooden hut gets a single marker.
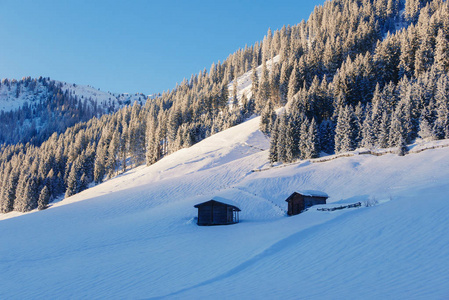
(299, 201)
(214, 212)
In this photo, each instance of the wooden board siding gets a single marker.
(298, 203)
(216, 213)
(310, 201)
(295, 205)
(220, 215)
(205, 215)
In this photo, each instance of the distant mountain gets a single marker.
(33, 109)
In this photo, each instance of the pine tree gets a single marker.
(313, 146)
(44, 198)
(327, 136)
(100, 162)
(441, 127)
(442, 51)
(424, 55)
(282, 138)
(344, 131)
(409, 46)
(254, 82)
(283, 82)
(290, 145)
(9, 191)
(263, 94)
(137, 135)
(384, 131)
(425, 127)
(359, 117)
(26, 194)
(235, 100)
(397, 129)
(123, 147)
(73, 182)
(267, 118)
(293, 85)
(273, 152)
(113, 150)
(304, 140)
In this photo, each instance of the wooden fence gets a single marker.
(378, 152)
(358, 204)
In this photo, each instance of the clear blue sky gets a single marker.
(132, 46)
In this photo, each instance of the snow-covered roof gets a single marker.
(222, 201)
(313, 193)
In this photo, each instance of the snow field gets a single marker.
(135, 236)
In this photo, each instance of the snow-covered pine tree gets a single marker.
(426, 131)
(293, 85)
(44, 198)
(26, 194)
(314, 142)
(442, 51)
(290, 145)
(235, 100)
(304, 141)
(344, 131)
(9, 191)
(283, 81)
(397, 133)
(424, 55)
(254, 80)
(273, 151)
(409, 45)
(384, 131)
(113, 151)
(73, 181)
(327, 136)
(359, 117)
(282, 138)
(267, 118)
(137, 135)
(100, 162)
(441, 126)
(263, 94)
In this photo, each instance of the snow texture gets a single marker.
(135, 236)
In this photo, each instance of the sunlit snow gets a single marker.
(135, 236)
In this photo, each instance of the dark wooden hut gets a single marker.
(299, 201)
(214, 212)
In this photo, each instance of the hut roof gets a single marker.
(313, 193)
(310, 193)
(227, 203)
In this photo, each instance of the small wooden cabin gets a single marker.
(299, 201)
(214, 212)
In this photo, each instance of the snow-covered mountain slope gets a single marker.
(135, 236)
(244, 81)
(14, 94)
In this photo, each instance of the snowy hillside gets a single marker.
(14, 94)
(135, 236)
(244, 82)
(31, 110)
